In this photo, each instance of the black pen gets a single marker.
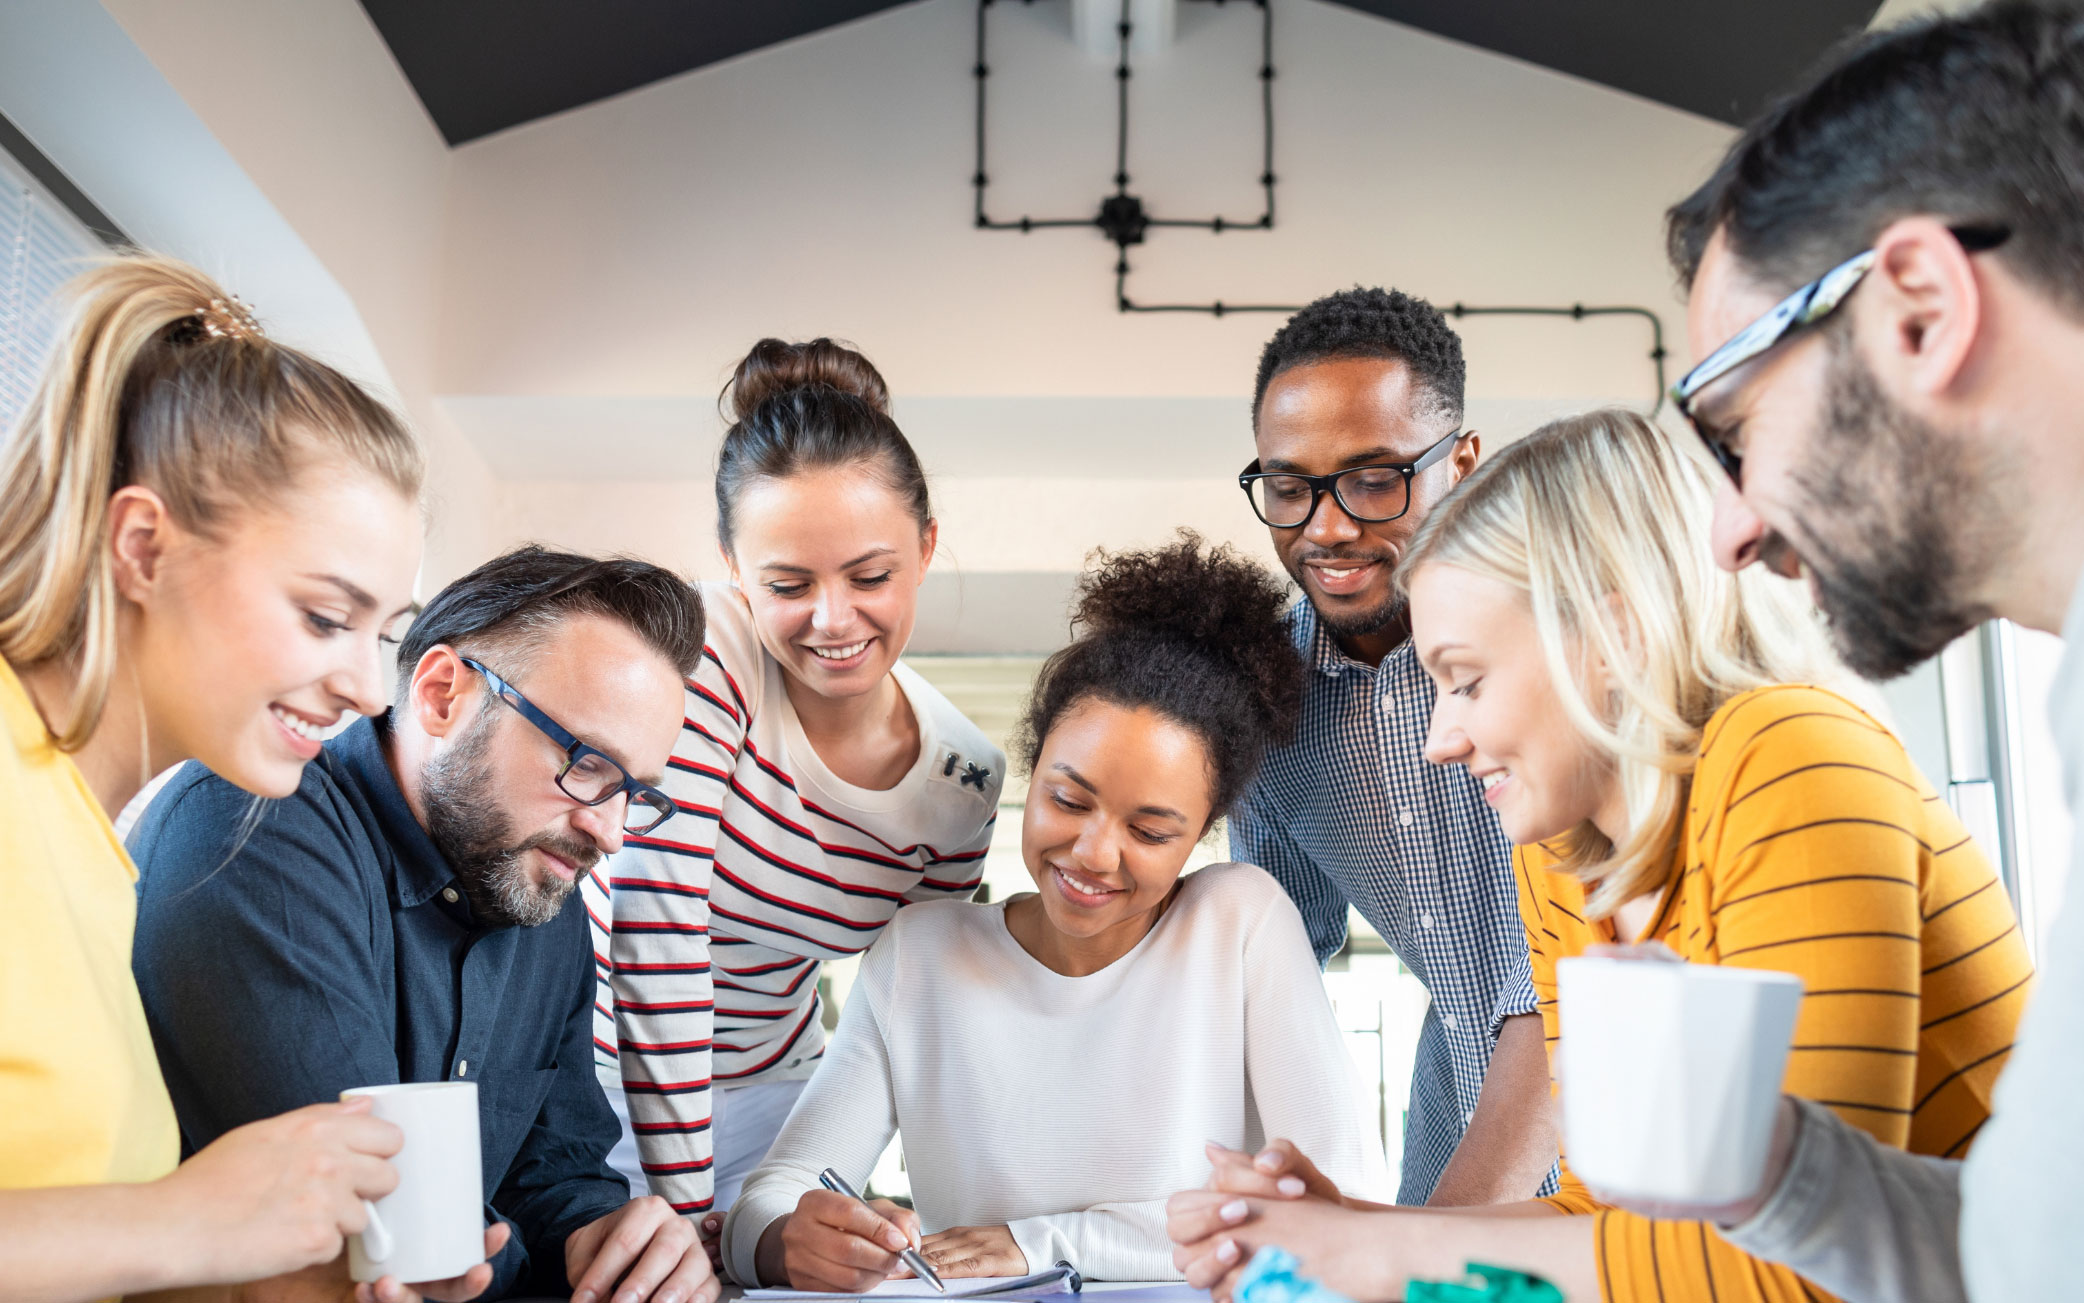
(912, 1258)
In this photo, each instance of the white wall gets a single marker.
(637, 245)
(557, 305)
(607, 266)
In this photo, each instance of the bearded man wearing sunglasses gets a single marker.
(1887, 289)
(404, 917)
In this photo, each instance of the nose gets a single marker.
(1329, 524)
(359, 685)
(1446, 743)
(1738, 531)
(1097, 848)
(834, 609)
(602, 824)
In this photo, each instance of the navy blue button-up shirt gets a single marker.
(331, 948)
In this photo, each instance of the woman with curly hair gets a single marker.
(1057, 1062)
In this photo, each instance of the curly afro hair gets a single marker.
(1196, 634)
(1371, 323)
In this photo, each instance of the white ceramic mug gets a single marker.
(1671, 1075)
(432, 1227)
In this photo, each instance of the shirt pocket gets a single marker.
(509, 1100)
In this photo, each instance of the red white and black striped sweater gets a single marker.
(709, 933)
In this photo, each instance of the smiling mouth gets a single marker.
(846, 653)
(1081, 890)
(1342, 575)
(304, 728)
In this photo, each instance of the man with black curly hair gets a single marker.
(1357, 421)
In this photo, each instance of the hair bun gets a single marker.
(774, 367)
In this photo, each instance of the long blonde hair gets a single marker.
(1603, 523)
(162, 379)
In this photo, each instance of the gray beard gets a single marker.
(466, 824)
(1897, 527)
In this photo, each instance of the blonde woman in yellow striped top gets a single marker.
(1642, 724)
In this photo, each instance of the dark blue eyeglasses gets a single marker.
(589, 776)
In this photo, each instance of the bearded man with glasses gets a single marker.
(404, 917)
(1886, 281)
(1357, 423)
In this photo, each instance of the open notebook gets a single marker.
(1060, 1279)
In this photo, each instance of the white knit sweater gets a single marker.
(1070, 1108)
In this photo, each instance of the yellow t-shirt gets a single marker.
(1812, 845)
(81, 1100)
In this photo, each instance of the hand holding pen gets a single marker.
(910, 1255)
(840, 1243)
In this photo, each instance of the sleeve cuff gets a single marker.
(1038, 1242)
(1795, 1206)
(744, 1226)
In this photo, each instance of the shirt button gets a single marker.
(1425, 921)
(1404, 817)
(1449, 1020)
(449, 894)
(462, 1067)
(1469, 1117)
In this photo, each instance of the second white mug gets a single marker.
(1671, 1075)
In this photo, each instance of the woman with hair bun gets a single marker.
(823, 781)
(204, 534)
(1057, 1062)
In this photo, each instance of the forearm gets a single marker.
(1511, 1142)
(768, 1257)
(1861, 1219)
(59, 1247)
(1440, 1246)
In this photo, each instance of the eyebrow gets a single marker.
(863, 559)
(1430, 657)
(355, 594)
(1164, 811)
(1372, 457)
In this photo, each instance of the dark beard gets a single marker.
(1384, 615)
(1893, 534)
(466, 824)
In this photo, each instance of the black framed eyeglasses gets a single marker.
(1798, 311)
(589, 776)
(1371, 494)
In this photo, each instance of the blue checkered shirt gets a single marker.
(1350, 811)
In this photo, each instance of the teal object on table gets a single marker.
(1485, 1284)
(1271, 1277)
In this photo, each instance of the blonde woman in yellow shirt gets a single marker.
(203, 534)
(1644, 726)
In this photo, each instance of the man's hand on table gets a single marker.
(653, 1252)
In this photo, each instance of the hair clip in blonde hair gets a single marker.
(230, 318)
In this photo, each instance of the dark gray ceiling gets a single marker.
(481, 66)
(1721, 59)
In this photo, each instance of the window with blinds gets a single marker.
(41, 247)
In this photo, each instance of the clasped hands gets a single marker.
(1276, 1196)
